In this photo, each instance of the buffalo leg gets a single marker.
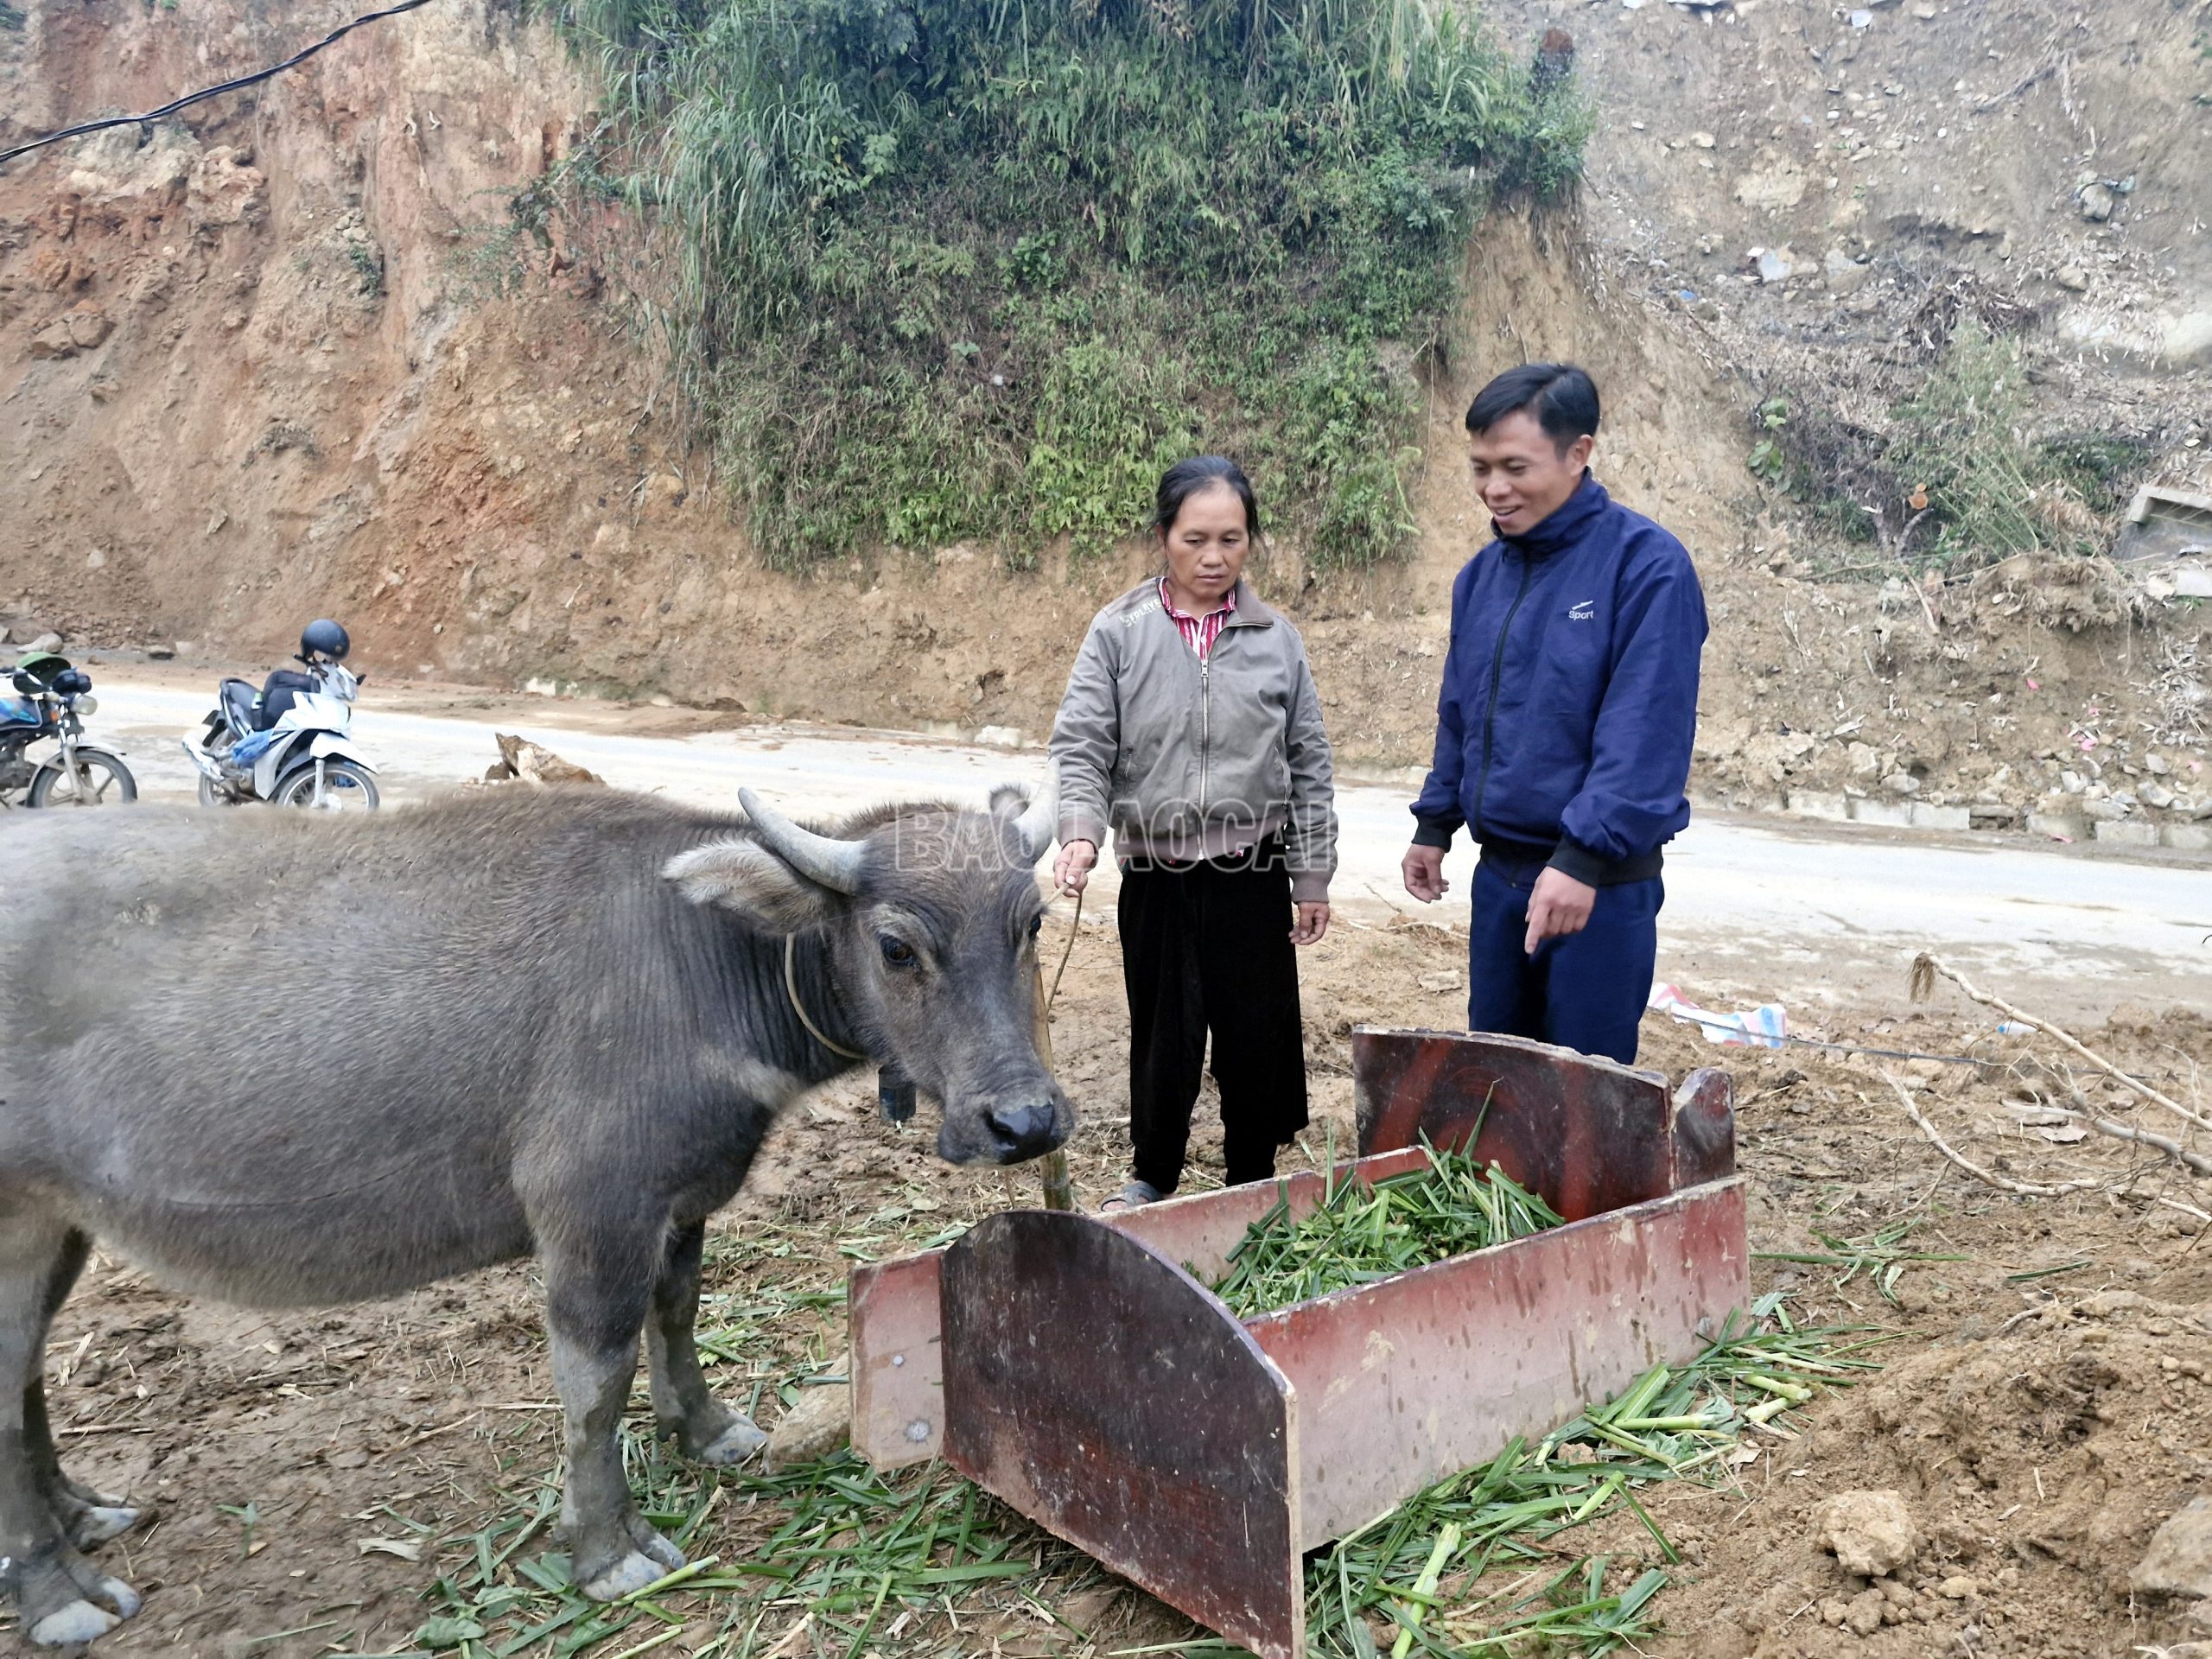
(63, 1598)
(702, 1428)
(86, 1518)
(596, 1294)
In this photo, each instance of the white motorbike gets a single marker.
(289, 743)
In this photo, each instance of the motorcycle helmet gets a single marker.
(326, 638)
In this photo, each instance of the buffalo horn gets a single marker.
(1038, 822)
(835, 864)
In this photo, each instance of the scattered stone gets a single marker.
(998, 737)
(2097, 202)
(1958, 1588)
(2156, 795)
(1772, 267)
(2179, 1560)
(160, 653)
(1777, 184)
(44, 642)
(1702, 140)
(4, 634)
(1865, 762)
(1864, 1615)
(821, 1422)
(1901, 783)
(1871, 1533)
(1925, 13)
(1439, 984)
(524, 761)
(2156, 764)
(2072, 278)
(1844, 274)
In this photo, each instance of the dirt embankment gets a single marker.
(299, 355)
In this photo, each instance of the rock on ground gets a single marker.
(2179, 1560)
(529, 763)
(1870, 1533)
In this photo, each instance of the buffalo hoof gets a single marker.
(97, 1524)
(81, 1622)
(739, 1443)
(629, 1575)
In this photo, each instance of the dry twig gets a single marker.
(2003, 1183)
(1924, 971)
(2194, 1162)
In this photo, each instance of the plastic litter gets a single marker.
(1765, 1026)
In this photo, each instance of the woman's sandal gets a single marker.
(1135, 1196)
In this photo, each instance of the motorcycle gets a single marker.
(51, 701)
(288, 743)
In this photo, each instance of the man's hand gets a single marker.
(1423, 870)
(1071, 869)
(1312, 922)
(1558, 905)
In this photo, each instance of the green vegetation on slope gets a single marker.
(940, 269)
(1956, 479)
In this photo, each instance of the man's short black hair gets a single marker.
(1562, 398)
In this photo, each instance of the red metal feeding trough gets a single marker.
(1079, 1368)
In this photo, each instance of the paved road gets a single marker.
(1756, 909)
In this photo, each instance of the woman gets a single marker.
(1192, 727)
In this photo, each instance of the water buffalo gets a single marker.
(290, 1059)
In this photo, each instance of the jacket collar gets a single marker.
(1569, 522)
(1251, 611)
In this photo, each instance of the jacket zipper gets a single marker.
(1206, 732)
(1490, 713)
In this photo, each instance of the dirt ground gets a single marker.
(2045, 1405)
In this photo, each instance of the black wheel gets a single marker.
(345, 788)
(101, 779)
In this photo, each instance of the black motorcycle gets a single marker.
(51, 700)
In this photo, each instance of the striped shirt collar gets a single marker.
(1199, 633)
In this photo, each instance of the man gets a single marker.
(1564, 727)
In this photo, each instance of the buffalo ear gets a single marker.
(1009, 800)
(743, 876)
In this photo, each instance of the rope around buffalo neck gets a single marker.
(790, 989)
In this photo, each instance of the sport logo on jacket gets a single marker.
(1585, 612)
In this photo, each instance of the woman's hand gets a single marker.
(1071, 869)
(1312, 922)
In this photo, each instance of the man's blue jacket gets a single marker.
(1564, 729)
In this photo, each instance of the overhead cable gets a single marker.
(205, 92)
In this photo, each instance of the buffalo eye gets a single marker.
(1036, 925)
(897, 952)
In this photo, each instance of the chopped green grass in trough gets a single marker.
(1473, 1567)
(1552, 1548)
(1359, 1233)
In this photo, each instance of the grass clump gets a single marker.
(1953, 477)
(1359, 1233)
(941, 270)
